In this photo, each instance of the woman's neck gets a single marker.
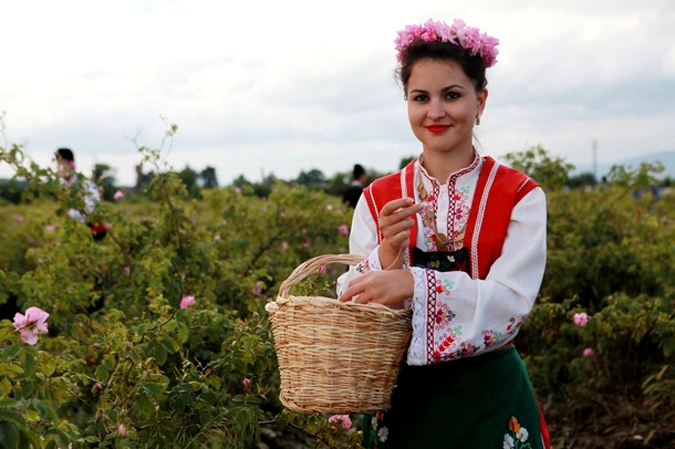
(441, 165)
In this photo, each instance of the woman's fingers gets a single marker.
(385, 287)
(396, 219)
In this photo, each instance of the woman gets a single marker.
(461, 241)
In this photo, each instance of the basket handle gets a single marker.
(313, 265)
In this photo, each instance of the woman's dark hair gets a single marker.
(66, 154)
(473, 66)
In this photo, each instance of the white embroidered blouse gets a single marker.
(454, 315)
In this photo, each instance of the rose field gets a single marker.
(157, 335)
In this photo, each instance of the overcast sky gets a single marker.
(276, 86)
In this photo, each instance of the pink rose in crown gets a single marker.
(31, 324)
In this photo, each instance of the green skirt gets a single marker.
(480, 402)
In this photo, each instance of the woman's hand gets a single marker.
(390, 288)
(396, 219)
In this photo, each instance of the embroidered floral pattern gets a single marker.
(378, 432)
(444, 315)
(491, 336)
(444, 236)
(363, 267)
(517, 437)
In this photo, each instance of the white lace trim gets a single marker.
(479, 220)
(417, 351)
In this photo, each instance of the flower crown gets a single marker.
(469, 38)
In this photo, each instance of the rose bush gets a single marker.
(157, 335)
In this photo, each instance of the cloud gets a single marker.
(288, 86)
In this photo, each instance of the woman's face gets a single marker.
(443, 105)
(63, 168)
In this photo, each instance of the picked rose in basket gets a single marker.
(336, 357)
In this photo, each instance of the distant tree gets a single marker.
(241, 182)
(338, 183)
(104, 176)
(313, 179)
(586, 179)
(12, 190)
(550, 172)
(189, 178)
(405, 161)
(209, 178)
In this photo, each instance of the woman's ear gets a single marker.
(482, 99)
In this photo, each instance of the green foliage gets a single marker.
(142, 370)
(549, 171)
(610, 255)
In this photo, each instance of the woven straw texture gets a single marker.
(336, 357)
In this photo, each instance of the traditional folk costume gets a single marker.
(90, 196)
(477, 255)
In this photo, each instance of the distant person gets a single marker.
(65, 160)
(351, 196)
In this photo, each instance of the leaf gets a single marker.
(12, 416)
(28, 366)
(154, 388)
(145, 406)
(183, 333)
(10, 352)
(9, 435)
(160, 353)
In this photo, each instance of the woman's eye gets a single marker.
(420, 98)
(452, 95)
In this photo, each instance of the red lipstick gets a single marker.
(438, 128)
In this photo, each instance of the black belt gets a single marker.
(441, 260)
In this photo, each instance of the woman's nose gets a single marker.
(436, 110)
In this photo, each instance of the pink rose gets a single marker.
(50, 228)
(343, 230)
(217, 237)
(31, 324)
(343, 420)
(284, 246)
(247, 384)
(118, 195)
(187, 301)
(258, 288)
(588, 352)
(121, 430)
(581, 319)
(329, 207)
(127, 271)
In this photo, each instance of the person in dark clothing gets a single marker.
(351, 196)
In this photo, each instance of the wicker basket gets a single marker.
(336, 357)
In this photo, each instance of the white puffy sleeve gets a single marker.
(363, 242)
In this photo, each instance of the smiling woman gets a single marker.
(459, 240)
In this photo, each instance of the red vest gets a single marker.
(498, 190)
